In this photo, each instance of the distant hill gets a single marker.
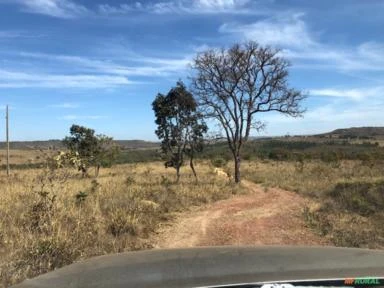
(356, 132)
(345, 133)
(137, 144)
(57, 144)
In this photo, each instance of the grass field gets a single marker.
(349, 196)
(51, 218)
(23, 157)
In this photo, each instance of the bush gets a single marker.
(46, 255)
(122, 223)
(363, 198)
(280, 154)
(219, 162)
(351, 215)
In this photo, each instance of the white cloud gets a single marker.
(368, 56)
(13, 34)
(289, 31)
(71, 117)
(292, 35)
(354, 94)
(66, 105)
(147, 66)
(84, 72)
(184, 7)
(54, 8)
(106, 9)
(372, 50)
(10, 79)
(219, 4)
(345, 116)
(325, 118)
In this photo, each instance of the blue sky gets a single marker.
(100, 63)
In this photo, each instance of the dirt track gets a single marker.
(263, 217)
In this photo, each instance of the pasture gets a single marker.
(52, 217)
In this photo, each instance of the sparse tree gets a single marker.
(91, 150)
(179, 126)
(106, 153)
(235, 85)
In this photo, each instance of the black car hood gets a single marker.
(210, 266)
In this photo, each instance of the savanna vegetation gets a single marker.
(348, 196)
(54, 211)
(52, 217)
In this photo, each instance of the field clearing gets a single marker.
(51, 218)
(349, 196)
(18, 157)
(311, 177)
(261, 217)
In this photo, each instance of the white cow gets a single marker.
(220, 172)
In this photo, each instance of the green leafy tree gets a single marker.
(233, 86)
(92, 150)
(180, 127)
(106, 153)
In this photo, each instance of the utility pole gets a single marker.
(7, 136)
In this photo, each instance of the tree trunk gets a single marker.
(237, 169)
(177, 173)
(192, 167)
(97, 170)
(83, 171)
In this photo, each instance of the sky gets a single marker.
(100, 63)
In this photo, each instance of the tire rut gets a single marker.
(263, 217)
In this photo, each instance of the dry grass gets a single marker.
(311, 178)
(23, 156)
(349, 196)
(51, 218)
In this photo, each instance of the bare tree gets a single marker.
(233, 85)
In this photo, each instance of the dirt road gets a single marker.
(263, 217)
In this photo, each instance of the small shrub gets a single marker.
(130, 181)
(80, 197)
(280, 154)
(363, 198)
(147, 172)
(219, 162)
(122, 222)
(316, 218)
(39, 215)
(46, 255)
(353, 231)
(94, 186)
(165, 181)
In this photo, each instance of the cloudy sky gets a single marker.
(100, 63)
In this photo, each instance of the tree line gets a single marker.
(232, 87)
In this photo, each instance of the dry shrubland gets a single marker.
(348, 196)
(21, 156)
(50, 218)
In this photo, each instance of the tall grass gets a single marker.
(349, 196)
(311, 177)
(51, 218)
